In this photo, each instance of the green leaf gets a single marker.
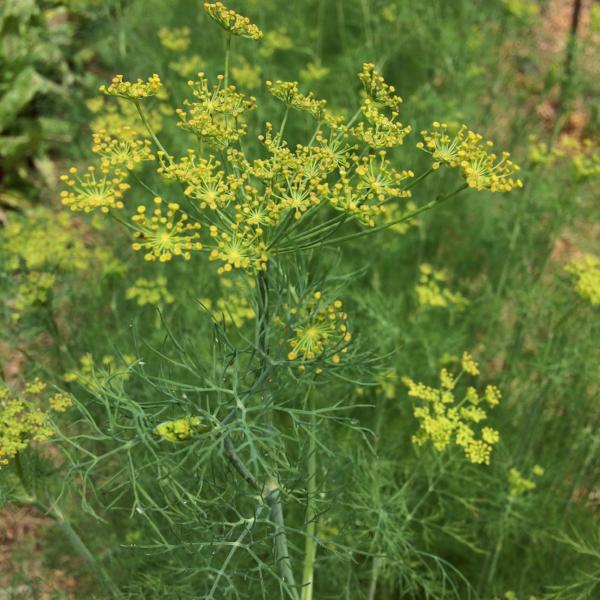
(25, 86)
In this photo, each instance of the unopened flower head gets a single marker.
(163, 234)
(89, 191)
(179, 430)
(232, 22)
(132, 90)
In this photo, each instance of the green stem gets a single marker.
(352, 236)
(138, 107)
(227, 54)
(282, 128)
(310, 547)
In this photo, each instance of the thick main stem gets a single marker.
(310, 547)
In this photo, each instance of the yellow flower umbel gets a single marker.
(233, 307)
(319, 331)
(432, 291)
(232, 22)
(519, 485)
(122, 148)
(238, 248)
(88, 193)
(586, 270)
(132, 91)
(34, 290)
(467, 150)
(163, 235)
(150, 291)
(287, 92)
(377, 89)
(176, 39)
(22, 420)
(182, 429)
(379, 130)
(217, 113)
(446, 419)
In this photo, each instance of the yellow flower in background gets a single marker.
(445, 418)
(34, 290)
(23, 419)
(586, 270)
(186, 66)
(432, 291)
(100, 375)
(150, 291)
(274, 41)
(177, 39)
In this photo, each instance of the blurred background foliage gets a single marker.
(516, 70)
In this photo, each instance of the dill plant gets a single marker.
(230, 460)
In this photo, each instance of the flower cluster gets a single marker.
(97, 376)
(287, 92)
(432, 291)
(380, 130)
(177, 39)
(34, 290)
(377, 89)
(165, 234)
(233, 306)
(150, 291)
(518, 484)
(586, 270)
(89, 192)
(179, 430)
(216, 115)
(232, 22)
(318, 330)
(444, 420)
(23, 420)
(122, 148)
(133, 91)
(468, 151)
